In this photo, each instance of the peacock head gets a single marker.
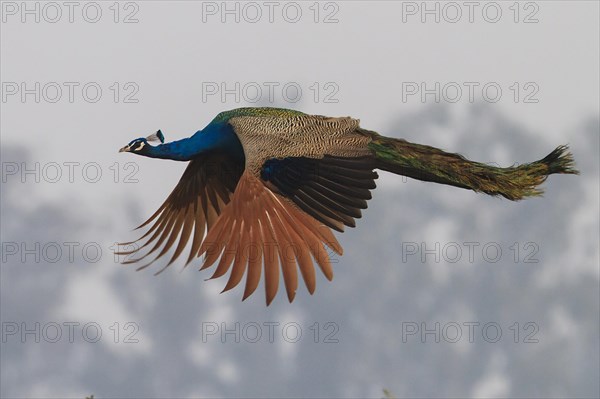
(141, 145)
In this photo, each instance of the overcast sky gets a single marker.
(510, 290)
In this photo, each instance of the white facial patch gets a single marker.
(142, 144)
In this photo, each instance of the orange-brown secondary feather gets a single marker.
(264, 229)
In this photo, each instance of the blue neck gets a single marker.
(214, 137)
(176, 150)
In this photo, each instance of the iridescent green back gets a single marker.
(256, 111)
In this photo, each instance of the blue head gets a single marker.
(140, 145)
(214, 137)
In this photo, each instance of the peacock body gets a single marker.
(264, 187)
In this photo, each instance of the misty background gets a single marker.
(400, 269)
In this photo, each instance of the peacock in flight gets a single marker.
(264, 187)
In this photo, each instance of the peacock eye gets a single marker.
(139, 146)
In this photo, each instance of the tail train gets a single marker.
(427, 163)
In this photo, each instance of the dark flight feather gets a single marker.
(193, 205)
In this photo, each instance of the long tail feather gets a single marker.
(432, 164)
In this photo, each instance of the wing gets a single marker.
(332, 190)
(193, 207)
(281, 219)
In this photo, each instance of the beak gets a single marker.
(124, 149)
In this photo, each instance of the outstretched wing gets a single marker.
(204, 189)
(282, 219)
(333, 190)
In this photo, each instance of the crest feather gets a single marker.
(158, 136)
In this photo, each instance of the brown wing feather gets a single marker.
(195, 203)
(255, 219)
